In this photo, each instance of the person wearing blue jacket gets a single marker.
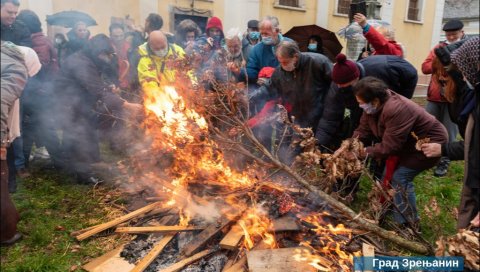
(263, 54)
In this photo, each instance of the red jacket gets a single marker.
(382, 46)
(434, 93)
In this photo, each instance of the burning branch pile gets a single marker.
(242, 210)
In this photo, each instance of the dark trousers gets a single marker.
(80, 145)
(469, 206)
(8, 213)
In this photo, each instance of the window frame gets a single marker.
(335, 11)
(421, 11)
(301, 6)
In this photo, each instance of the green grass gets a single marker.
(51, 207)
(445, 190)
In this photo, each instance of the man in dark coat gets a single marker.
(302, 80)
(81, 88)
(13, 30)
(399, 75)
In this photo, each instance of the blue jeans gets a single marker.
(404, 198)
(17, 147)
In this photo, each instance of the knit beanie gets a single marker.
(466, 59)
(344, 70)
(214, 22)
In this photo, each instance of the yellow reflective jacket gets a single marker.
(153, 71)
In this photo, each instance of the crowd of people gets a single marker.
(55, 91)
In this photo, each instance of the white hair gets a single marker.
(233, 33)
(273, 20)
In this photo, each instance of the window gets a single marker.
(290, 3)
(343, 6)
(414, 10)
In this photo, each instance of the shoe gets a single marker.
(16, 237)
(23, 173)
(41, 154)
(442, 167)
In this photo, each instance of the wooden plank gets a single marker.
(179, 265)
(143, 263)
(154, 252)
(78, 232)
(156, 229)
(241, 264)
(110, 261)
(277, 260)
(233, 238)
(211, 230)
(104, 226)
(286, 223)
(368, 250)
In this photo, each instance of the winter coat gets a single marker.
(154, 71)
(456, 150)
(330, 130)
(304, 88)
(399, 75)
(81, 85)
(435, 92)
(14, 77)
(16, 33)
(391, 126)
(74, 44)
(47, 55)
(261, 55)
(382, 46)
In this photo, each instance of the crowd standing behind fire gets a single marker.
(82, 76)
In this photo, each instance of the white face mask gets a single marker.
(160, 53)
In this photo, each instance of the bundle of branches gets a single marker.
(465, 244)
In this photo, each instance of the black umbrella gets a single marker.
(301, 34)
(70, 18)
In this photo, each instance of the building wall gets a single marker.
(416, 37)
(290, 17)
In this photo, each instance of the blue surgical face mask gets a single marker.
(254, 35)
(312, 47)
(267, 40)
(368, 108)
(217, 38)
